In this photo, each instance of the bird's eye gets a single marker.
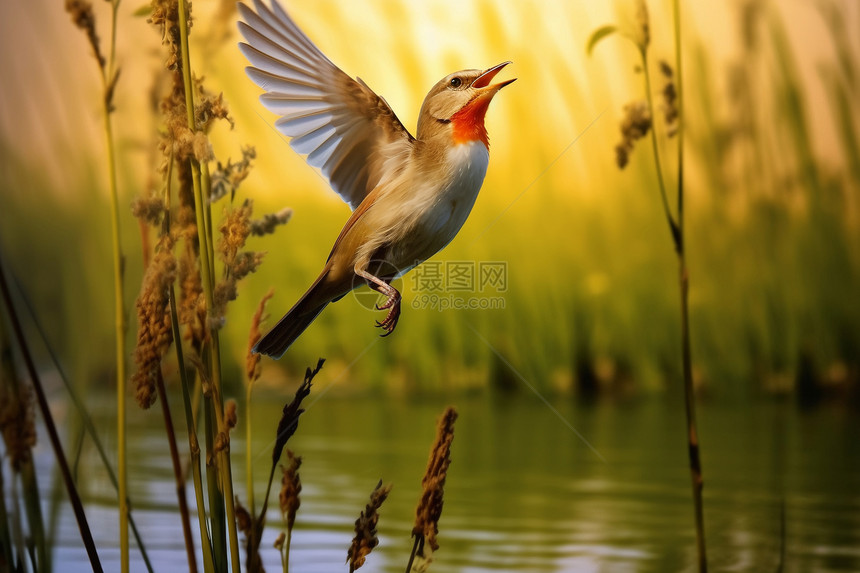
(455, 82)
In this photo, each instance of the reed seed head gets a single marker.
(235, 230)
(289, 421)
(270, 222)
(149, 209)
(291, 487)
(227, 178)
(231, 415)
(670, 99)
(429, 508)
(365, 528)
(17, 413)
(154, 331)
(243, 518)
(83, 17)
(633, 22)
(634, 125)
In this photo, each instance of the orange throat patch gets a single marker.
(468, 123)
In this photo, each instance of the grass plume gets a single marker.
(291, 486)
(365, 528)
(429, 509)
(289, 502)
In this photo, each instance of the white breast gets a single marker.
(437, 224)
(417, 218)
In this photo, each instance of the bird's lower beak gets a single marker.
(482, 82)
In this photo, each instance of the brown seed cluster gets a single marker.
(235, 230)
(365, 528)
(670, 99)
(291, 487)
(429, 508)
(17, 416)
(270, 222)
(82, 15)
(227, 178)
(635, 125)
(231, 414)
(154, 333)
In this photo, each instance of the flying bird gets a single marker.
(410, 195)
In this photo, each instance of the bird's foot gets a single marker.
(392, 302)
(390, 321)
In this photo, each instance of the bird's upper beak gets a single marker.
(482, 82)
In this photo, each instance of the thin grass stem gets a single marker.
(194, 445)
(202, 209)
(287, 543)
(89, 427)
(53, 435)
(249, 455)
(216, 497)
(673, 226)
(5, 535)
(419, 538)
(177, 471)
(109, 76)
(684, 283)
(32, 507)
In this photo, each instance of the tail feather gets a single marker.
(288, 329)
(294, 323)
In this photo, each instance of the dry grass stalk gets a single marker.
(365, 528)
(429, 508)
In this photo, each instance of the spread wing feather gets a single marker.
(339, 124)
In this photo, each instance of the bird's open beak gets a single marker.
(482, 82)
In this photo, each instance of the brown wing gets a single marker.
(338, 123)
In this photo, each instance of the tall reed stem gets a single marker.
(204, 230)
(249, 454)
(684, 283)
(673, 226)
(193, 444)
(119, 311)
(177, 471)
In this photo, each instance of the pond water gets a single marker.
(524, 491)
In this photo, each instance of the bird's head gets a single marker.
(457, 104)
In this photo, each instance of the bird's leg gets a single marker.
(392, 303)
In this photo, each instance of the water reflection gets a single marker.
(524, 492)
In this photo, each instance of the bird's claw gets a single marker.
(389, 323)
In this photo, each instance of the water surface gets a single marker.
(524, 491)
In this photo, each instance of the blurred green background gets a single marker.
(591, 304)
